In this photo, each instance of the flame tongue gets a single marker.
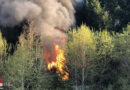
(59, 63)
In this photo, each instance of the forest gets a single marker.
(92, 54)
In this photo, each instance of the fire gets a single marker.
(59, 63)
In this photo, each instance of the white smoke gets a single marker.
(51, 17)
(56, 13)
(12, 12)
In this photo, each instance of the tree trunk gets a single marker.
(76, 88)
(83, 70)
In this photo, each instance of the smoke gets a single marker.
(56, 13)
(12, 12)
(57, 17)
(52, 18)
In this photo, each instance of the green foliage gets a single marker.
(94, 15)
(24, 65)
(26, 69)
(121, 56)
(2, 44)
(96, 60)
(80, 40)
(119, 12)
(18, 66)
(3, 54)
(104, 14)
(106, 58)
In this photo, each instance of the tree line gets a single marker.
(97, 51)
(96, 61)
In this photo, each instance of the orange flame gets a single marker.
(59, 63)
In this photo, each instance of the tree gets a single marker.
(3, 55)
(93, 15)
(80, 47)
(2, 44)
(118, 11)
(26, 68)
(121, 57)
(99, 60)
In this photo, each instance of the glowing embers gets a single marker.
(59, 63)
